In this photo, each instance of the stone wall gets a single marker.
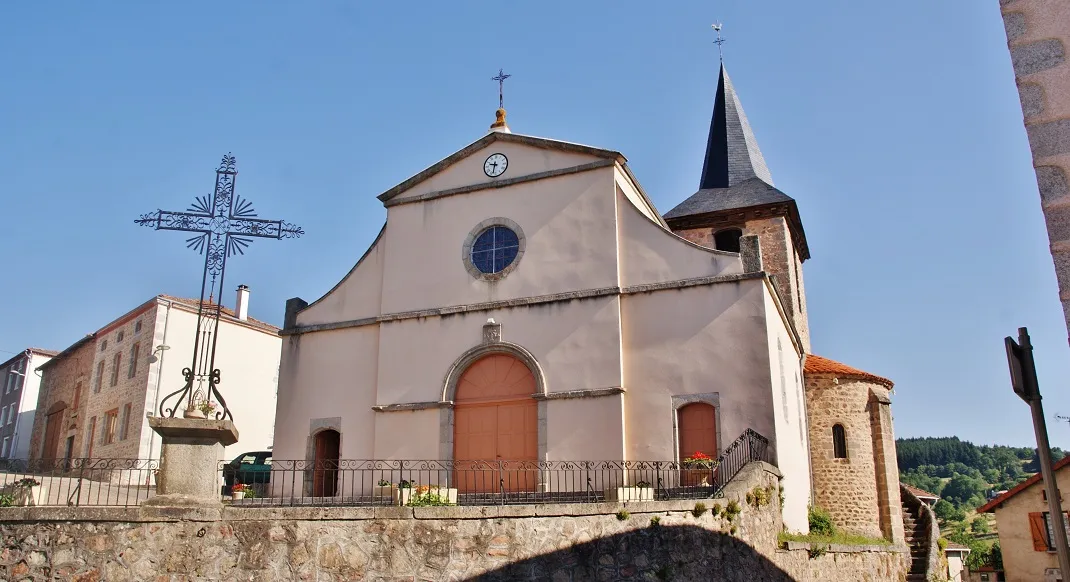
(779, 258)
(64, 376)
(1039, 42)
(548, 542)
(847, 488)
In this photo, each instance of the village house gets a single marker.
(19, 386)
(99, 391)
(1025, 530)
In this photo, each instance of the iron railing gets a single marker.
(77, 482)
(498, 482)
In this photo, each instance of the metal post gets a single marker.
(1025, 384)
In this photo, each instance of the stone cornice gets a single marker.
(586, 393)
(525, 302)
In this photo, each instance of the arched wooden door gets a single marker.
(697, 429)
(495, 421)
(53, 425)
(325, 463)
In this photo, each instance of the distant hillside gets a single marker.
(961, 472)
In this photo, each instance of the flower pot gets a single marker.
(28, 496)
(630, 494)
(192, 413)
(236, 495)
(385, 492)
(405, 495)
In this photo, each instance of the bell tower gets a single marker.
(736, 197)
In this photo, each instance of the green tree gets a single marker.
(947, 512)
(979, 525)
(963, 491)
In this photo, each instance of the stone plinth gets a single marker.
(189, 460)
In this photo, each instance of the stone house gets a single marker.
(110, 381)
(1024, 526)
(64, 379)
(19, 386)
(577, 322)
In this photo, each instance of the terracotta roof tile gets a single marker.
(818, 365)
(920, 492)
(997, 501)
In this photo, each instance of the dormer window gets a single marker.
(727, 240)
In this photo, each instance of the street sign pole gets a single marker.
(1024, 381)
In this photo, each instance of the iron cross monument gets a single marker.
(225, 225)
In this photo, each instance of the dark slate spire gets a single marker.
(732, 153)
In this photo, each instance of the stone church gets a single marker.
(525, 300)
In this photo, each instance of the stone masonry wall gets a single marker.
(779, 259)
(548, 542)
(886, 464)
(847, 488)
(128, 390)
(59, 382)
(1039, 42)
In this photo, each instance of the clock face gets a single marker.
(495, 165)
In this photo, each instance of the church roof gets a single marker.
(818, 365)
(734, 173)
(494, 136)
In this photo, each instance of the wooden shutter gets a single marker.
(1039, 531)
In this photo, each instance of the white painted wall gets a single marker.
(249, 362)
(31, 389)
(791, 437)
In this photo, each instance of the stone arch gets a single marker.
(492, 345)
(449, 387)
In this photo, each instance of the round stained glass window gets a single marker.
(495, 249)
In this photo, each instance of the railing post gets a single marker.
(501, 483)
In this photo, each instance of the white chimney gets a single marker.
(241, 304)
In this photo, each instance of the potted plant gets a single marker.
(641, 491)
(698, 469)
(24, 492)
(384, 489)
(411, 493)
(238, 491)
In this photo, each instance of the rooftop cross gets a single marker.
(224, 225)
(719, 41)
(501, 85)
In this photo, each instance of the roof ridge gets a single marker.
(816, 364)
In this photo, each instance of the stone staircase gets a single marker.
(919, 525)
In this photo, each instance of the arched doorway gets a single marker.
(495, 421)
(53, 426)
(325, 463)
(697, 432)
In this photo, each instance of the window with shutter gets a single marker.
(1039, 532)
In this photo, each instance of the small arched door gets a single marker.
(325, 463)
(495, 420)
(697, 429)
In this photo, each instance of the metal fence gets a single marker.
(77, 482)
(498, 482)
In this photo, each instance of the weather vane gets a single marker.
(501, 85)
(224, 224)
(719, 41)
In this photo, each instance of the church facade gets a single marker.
(526, 301)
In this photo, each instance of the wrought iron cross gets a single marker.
(719, 41)
(224, 225)
(501, 86)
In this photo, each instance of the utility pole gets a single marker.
(1024, 381)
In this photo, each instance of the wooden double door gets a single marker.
(697, 429)
(495, 427)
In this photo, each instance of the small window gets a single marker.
(3, 416)
(103, 345)
(90, 435)
(3, 452)
(839, 442)
(124, 424)
(137, 326)
(110, 420)
(77, 395)
(116, 361)
(727, 240)
(495, 249)
(11, 413)
(135, 352)
(119, 337)
(100, 377)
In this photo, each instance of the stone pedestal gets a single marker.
(189, 460)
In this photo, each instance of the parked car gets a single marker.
(250, 468)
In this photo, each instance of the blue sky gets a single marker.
(896, 127)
